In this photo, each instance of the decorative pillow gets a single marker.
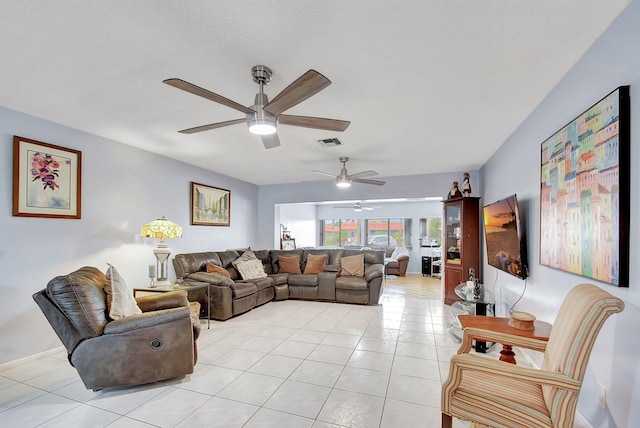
(120, 301)
(352, 265)
(251, 269)
(213, 268)
(289, 264)
(245, 257)
(211, 278)
(315, 264)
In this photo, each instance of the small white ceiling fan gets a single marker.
(357, 207)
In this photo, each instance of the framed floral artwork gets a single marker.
(210, 206)
(46, 180)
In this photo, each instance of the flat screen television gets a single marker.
(503, 233)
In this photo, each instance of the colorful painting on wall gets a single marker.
(584, 193)
(46, 180)
(210, 206)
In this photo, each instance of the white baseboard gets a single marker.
(20, 361)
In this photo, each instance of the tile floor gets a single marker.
(285, 364)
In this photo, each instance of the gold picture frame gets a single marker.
(46, 180)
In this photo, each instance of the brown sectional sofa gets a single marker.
(234, 295)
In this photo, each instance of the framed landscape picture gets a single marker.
(584, 193)
(210, 206)
(46, 180)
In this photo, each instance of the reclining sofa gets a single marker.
(232, 294)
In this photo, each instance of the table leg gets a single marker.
(208, 306)
(507, 354)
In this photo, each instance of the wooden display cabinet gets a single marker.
(461, 245)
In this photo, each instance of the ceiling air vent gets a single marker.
(330, 142)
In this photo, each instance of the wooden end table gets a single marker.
(501, 325)
(184, 286)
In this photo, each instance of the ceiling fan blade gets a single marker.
(314, 122)
(204, 93)
(375, 182)
(310, 83)
(324, 173)
(270, 141)
(211, 126)
(367, 208)
(363, 174)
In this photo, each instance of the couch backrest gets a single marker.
(370, 256)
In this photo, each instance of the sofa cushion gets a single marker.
(352, 265)
(212, 268)
(261, 283)
(289, 264)
(351, 283)
(245, 257)
(243, 289)
(120, 301)
(303, 280)
(315, 264)
(251, 269)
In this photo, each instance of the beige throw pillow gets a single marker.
(251, 269)
(120, 300)
(352, 265)
(289, 264)
(315, 264)
(213, 268)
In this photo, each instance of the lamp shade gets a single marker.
(161, 229)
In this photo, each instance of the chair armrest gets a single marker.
(459, 363)
(373, 271)
(158, 301)
(146, 319)
(471, 334)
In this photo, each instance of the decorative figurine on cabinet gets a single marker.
(466, 186)
(455, 191)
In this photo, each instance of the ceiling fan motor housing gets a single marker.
(261, 122)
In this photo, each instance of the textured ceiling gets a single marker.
(429, 86)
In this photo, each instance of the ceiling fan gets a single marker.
(344, 179)
(357, 207)
(263, 116)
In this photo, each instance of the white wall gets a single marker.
(300, 221)
(122, 189)
(612, 61)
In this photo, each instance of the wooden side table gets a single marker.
(501, 325)
(184, 286)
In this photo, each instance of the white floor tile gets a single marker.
(251, 388)
(37, 411)
(330, 354)
(363, 380)
(371, 360)
(419, 367)
(208, 379)
(402, 414)
(169, 408)
(352, 409)
(302, 399)
(291, 348)
(267, 418)
(276, 365)
(414, 390)
(219, 413)
(84, 416)
(239, 359)
(317, 373)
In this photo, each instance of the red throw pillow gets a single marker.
(315, 264)
(212, 268)
(289, 264)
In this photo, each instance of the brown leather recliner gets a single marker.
(155, 345)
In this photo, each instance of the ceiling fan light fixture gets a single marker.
(262, 126)
(343, 182)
